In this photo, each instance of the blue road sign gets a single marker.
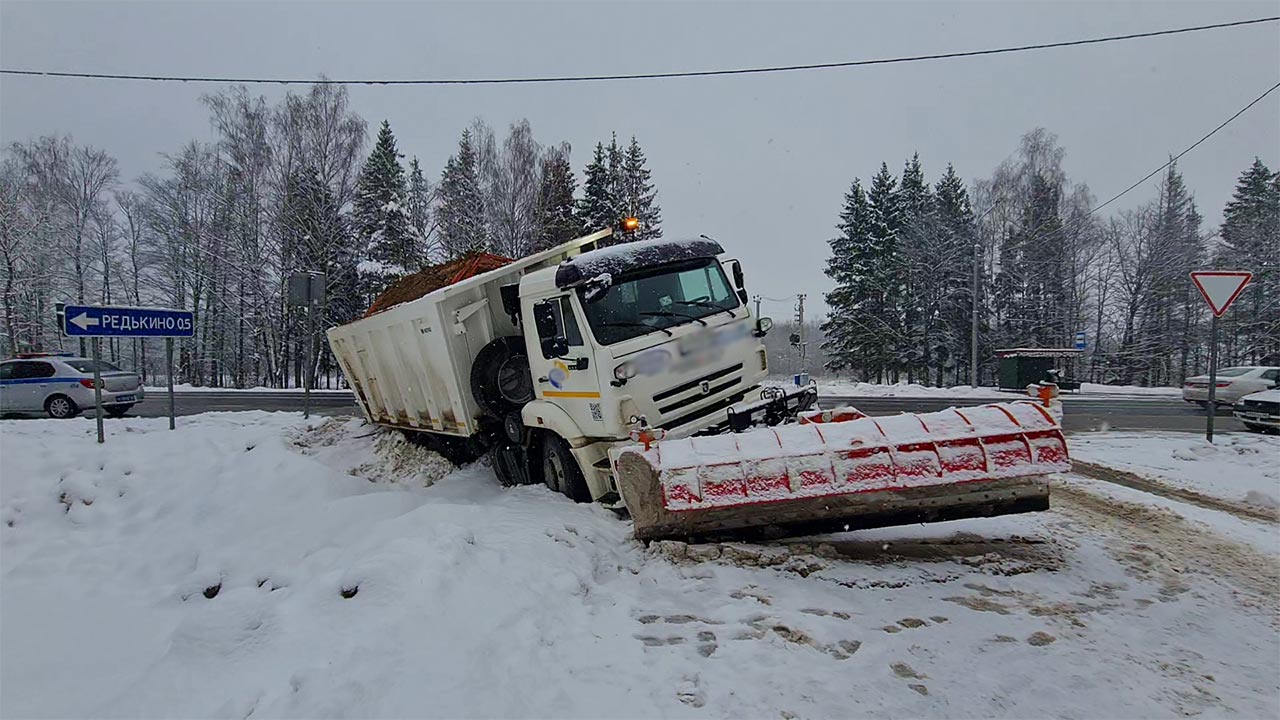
(98, 321)
(1080, 343)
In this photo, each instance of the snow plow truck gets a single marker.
(633, 376)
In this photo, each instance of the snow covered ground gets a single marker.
(1239, 467)
(255, 565)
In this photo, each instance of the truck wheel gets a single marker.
(500, 379)
(510, 463)
(560, 470)
(60, 407)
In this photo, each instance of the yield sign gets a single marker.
(1220, 288)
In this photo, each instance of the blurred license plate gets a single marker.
(125, 398)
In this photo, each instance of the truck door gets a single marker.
(562, 364)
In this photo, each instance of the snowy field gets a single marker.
(912, 390)
(255, 565)
(1239, 467)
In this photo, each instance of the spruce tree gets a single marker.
(1251, 240)
(461, 214)
(419, 201)
(639, 195)
(914, 263)
(381, 214)
(847, 328)
(555, 220)
(956, 255)
(598, 208)
(885, 280)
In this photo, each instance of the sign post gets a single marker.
(97, 321)
(168, 368)
(1219, 288)
(306, 290)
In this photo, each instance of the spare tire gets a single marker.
(500, 379)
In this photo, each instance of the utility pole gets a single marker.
(973, 301)
(804, 366)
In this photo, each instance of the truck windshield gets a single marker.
(645, 301)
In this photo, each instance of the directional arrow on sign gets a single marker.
(83, 321)
(1220, 288)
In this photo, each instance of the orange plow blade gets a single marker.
(843, 471)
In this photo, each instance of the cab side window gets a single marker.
(41, 370)
(566, 325)
(1272, 375)
(7, 371)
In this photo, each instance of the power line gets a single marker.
(1078, 221)
(641, 76)
(1193, 146)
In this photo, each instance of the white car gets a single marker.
(1260, 411)
(1233, 383)
(62, 386)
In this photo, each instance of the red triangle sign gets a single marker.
(1220, 288)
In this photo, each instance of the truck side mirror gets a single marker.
(739, 281)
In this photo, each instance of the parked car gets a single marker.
(1233, 383)
(62, 386)
(1260, 412)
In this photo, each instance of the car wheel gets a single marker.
(116, 411)
(560, 470)
(60, 407)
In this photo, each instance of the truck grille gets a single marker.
(717, 382)
(1262, 406)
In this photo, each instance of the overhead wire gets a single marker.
(638, 76)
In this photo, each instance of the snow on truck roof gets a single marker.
(617, 259)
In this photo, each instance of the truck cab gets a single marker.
(655, 334)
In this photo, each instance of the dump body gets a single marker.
(410, 365)
(862, 472)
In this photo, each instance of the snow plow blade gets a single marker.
(834, 474)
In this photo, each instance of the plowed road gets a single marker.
(1080, 412)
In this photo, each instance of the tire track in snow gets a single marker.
(1138, 482)
(1160, 544)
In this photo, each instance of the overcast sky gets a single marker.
(758, 162)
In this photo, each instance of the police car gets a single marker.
(62, 386)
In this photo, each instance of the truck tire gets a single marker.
(510, 463)
(500, 379)
(560, 470)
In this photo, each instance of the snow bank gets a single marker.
(1099, 389)
(189, 388)
(1240, 467)
(253, 564)
(912, 390)
(861, 389)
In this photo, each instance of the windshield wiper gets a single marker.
(668, 313)
(705, 304)
(650, 328)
